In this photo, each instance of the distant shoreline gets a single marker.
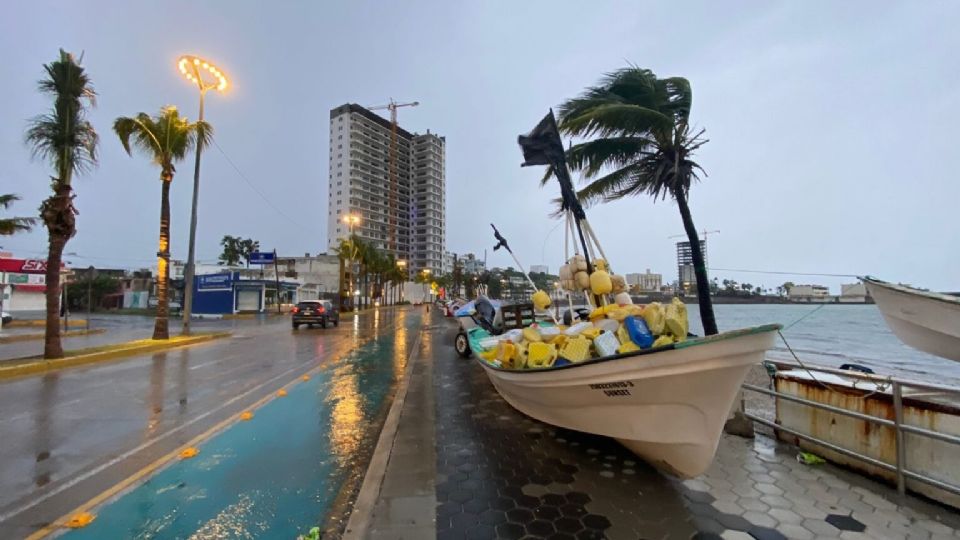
(644, 299)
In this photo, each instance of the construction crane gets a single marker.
(392, 188)
(704, 237)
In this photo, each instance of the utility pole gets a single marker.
(91, 272)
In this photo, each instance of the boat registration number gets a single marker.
(614, 389)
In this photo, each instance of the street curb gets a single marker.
(25, 323)
(34, 366)
(361, 516)
(33, 337)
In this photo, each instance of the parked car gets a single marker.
(6, 317)
(311, 312)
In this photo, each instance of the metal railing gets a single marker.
(885, 385)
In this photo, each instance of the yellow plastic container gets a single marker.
(576, 349)
(541, 354)
(653, 314)
(676, 319)
(531, 335)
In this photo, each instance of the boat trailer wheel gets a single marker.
(462, 345)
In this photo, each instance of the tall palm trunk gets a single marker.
(58, 215)
(699, 267)
(161, 327)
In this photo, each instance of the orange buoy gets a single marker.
(246, 415)
(80, 520)
(281, 392)
(189, 452)
(305, 378)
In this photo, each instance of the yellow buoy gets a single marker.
(541, 300)
(189, 452)
(80, 520)
(305, 378)
(600, 282)
(281, 392)
(246, 415)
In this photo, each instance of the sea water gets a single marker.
(831, 335)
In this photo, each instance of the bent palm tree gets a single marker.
(644, 145)
(165, 139)
(9, 226)
(65, 139)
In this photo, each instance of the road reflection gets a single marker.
(42, 428)
(158, 365)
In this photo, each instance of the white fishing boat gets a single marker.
(925, 320)
(667, 405)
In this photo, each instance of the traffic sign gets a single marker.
(261, 257)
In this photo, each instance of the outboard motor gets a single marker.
(486, 315)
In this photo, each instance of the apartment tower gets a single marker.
(359, 186)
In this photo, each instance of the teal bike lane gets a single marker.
(295, 465)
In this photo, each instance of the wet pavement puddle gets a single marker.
(280, 473)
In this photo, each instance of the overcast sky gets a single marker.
(831, 124)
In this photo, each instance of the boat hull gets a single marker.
(924, 321)
(667, 407)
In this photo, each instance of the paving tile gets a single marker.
(760, 519)
(735, 535)
(795, 532)
(762, 533)
(820, 528)
(785, 516)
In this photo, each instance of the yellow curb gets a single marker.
(33, 337)
(22, 323)
(112, 352)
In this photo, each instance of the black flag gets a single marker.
(543, 146)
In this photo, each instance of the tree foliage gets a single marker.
(64, 138)
(13, 225)
(165, 139)
(236, 248)
(640, 143)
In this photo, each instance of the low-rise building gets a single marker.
(809, 293)
(853, 293)
(473, 265)
(646, 282)
(230, 292)
(539, 269)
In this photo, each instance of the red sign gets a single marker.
(24, 266)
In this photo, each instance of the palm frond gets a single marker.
(593, 156)
(619, 119)
(63, 136)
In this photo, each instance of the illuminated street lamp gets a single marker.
(205, 76)
(351, 220)
(402, 265)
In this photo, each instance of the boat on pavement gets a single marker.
(668, 405)
(924, 320)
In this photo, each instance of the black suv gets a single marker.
(311, 312)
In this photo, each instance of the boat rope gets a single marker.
(782, 273)
(878, 386)
(805, 315)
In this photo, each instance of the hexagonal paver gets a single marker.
(520, 515)
(594, 521)
(785, 516)
(540, 527)
(763, 533)
(760, 519)
(845, 523)
(795, 532)
(510, 530)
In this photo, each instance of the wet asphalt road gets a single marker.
(70, 435)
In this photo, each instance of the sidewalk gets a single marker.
(499, 474)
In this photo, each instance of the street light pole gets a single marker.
(189, 270)
(193, 67)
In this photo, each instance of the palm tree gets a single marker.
(644, 145)
(64, 138)
(9, 226)
(165, 139)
